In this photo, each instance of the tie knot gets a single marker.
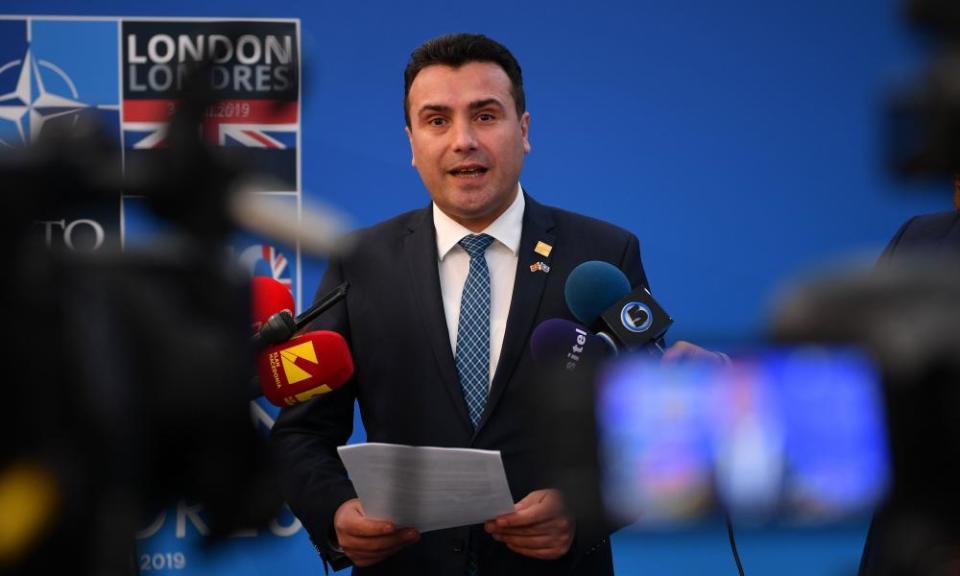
(476, 244)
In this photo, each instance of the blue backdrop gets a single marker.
(742, 141)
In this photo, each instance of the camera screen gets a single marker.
(794, 434)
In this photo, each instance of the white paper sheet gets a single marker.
(428, 488)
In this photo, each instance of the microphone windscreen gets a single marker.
(268, 297)
(593, 287)
(305, 366)
(561, 343)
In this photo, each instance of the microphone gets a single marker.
(268, 297)
(598, 294)
(562, 344)
(306, 366)
(318, 229)
(564, 386)
(281, 326)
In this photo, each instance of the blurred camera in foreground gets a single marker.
(788, 434)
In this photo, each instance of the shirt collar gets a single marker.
(506, 229)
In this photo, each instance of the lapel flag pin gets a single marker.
(543, 249)
(539, 267)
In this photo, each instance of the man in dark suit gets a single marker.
(927, 239)
(432, 291)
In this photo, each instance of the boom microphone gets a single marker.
(599, 295)
(308, 365)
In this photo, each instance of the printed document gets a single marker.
(428, 488)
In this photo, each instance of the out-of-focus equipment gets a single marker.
(793, 433)
(908, 317)
(127, 368)
(925, 118)
(318, 229)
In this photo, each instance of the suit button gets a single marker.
(458, 546)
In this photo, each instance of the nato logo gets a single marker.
(54, 71)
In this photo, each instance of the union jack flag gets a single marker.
(266, 260)
(279, 137)
(263, 133)
(248, 123)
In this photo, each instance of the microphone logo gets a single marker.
(636, 317)
(289, 357)
(291, 365)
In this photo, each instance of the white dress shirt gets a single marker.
(501, 256)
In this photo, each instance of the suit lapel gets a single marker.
(527, 291)
(420, 247)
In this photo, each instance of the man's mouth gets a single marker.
(468, 171)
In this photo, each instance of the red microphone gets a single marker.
(303, 367)
(268, 297)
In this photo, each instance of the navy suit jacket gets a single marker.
(406, 383)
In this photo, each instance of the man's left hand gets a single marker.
(683, 351)
(538, 527)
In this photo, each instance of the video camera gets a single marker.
(125, 369)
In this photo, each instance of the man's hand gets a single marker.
(366, 541)
(538, 527)
(685, 351)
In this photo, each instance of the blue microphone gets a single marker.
(599, 295)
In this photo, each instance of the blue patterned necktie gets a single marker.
(473, 331)
(473, 343)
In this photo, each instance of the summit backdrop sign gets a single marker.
(125, 74)
(250, 61)
(252, 67)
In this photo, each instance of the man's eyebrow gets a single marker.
(475, 105)
(484, 103)
(433, 108)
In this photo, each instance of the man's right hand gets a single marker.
(366, 541)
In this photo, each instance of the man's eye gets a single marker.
(437, 121)
(486, 117)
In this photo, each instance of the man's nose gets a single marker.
(464, 137)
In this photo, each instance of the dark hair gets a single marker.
(455, 50)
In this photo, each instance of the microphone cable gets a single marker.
(733, 543)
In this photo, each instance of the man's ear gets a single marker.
(525, 131)
(413, 157)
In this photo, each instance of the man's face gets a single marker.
(468, 144)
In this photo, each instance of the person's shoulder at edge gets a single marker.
(935, 219)
(919, 231)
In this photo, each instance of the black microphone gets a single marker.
(599, 295)
(282, 326)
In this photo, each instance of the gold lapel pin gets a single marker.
(543, 249)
